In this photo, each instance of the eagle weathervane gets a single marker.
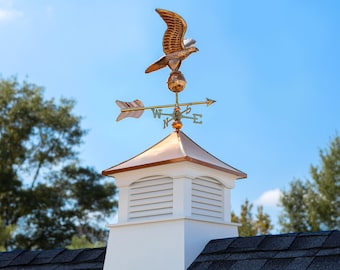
(175, 49)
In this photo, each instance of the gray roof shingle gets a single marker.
(57, 259)
(320, 250)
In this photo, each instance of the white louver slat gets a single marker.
(151, 198)
(207, 199)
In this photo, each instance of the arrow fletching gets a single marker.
(134, 109)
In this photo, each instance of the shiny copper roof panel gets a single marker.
(176, 147)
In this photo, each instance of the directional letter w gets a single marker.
(156, 112)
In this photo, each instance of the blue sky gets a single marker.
(272, 66)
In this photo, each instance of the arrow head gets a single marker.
(210, 101)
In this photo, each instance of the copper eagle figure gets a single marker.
(175, 47)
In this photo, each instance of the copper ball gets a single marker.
(177, 124)
(176, 82)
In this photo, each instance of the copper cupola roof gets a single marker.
(176, 147)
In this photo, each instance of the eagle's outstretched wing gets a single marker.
(175, 47)
(174, 34)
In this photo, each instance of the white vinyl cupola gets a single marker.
(173, 198)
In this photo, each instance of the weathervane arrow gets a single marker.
(135, 108)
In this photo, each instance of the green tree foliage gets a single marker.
(44, 192)
(82, 242)
(263, 222)
(251, 226)
(298, 204)
(5, 234)
(314, 205)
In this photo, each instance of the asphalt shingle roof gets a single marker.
(298, 251)
(295, 251)
(57, 259)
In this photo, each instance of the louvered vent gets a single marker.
(151, 198)
(207, 199)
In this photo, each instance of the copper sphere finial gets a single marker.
(176, 81)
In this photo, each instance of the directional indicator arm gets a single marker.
(133, 108)
(178, 115)
(136, 109)
(208, 102)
